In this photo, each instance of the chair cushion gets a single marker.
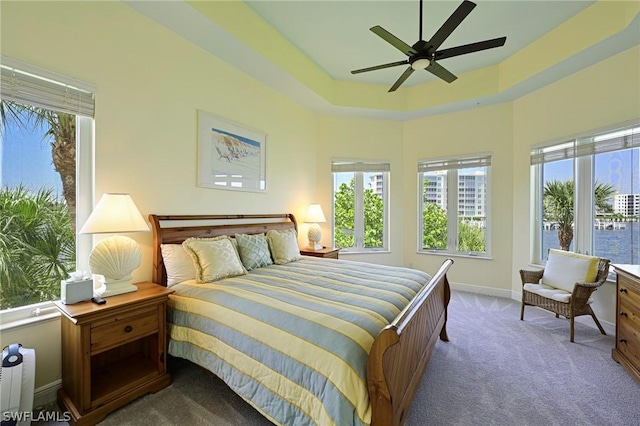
(565, 268)
(551, 292)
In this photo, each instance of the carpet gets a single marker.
(495, 370)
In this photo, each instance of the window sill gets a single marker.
(344, 252)
(447, 254)
(11, 319)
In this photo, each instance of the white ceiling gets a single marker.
(335, 35)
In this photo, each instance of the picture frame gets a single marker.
(231, 156)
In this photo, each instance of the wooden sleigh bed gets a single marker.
(400, 352)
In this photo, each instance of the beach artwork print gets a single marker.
(230, 155)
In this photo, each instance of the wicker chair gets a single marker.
(578, 303)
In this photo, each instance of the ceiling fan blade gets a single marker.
(379, 67)
(401, 80)
(393, 40)
(440, 72)
(470, 48)
(451, 24)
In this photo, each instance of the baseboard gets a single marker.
(46, 394)
(488, 291)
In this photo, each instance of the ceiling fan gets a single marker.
(424, 54)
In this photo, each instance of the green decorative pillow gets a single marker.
(214, 258)
(283, 246)
(254, 250)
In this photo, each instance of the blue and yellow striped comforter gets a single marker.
(293, 340)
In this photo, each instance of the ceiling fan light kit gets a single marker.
(424, 54)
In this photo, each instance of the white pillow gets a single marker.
(284, 246)
(178, 263)
(565, 268)
(214, 258)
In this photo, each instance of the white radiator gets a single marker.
(17, 380)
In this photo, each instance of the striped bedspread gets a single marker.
(293, 340)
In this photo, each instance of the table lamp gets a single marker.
(116, 257)
(314, 216)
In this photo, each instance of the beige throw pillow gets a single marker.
(214, 258)
(283, 246)
(178, 264)
(565, 268)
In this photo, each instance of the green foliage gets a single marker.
(471, 237)
(434, 226)
(37, 246)
(344, 211)
(373, 219)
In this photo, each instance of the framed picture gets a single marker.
(230, 155)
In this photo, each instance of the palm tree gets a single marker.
(62, 130)
(37, 246)
(558, 199)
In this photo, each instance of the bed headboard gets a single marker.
(174, 229)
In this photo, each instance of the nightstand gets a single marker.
(327, 252)
(113, 353)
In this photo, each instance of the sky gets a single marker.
(26, 158)
(612, 167)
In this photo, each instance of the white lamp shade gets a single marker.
(315, 214)
(115, 213)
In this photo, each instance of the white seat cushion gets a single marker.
(565, 268)
(551, 292)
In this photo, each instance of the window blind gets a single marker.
(483, 160)
(359, 166)
(24, 84)
(614, 140)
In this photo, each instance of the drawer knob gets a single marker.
(622, 340)
(623, 290)
(128, 329)
(623, 314)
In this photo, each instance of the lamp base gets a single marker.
(113, 287)
(313, 246)
(314, 235)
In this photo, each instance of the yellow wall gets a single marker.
(480, 130)
(601, 95)
(151, 84)
(364, 139)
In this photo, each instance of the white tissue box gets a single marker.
(76, 291)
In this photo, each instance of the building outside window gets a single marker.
(360, 207)
(45, 181)
(587, 195)
(453, 201)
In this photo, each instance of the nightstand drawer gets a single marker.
(123, 329)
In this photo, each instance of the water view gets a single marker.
(617, 245)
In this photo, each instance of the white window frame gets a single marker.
(85, 131)
(359, 168)
(452, 165)
(581, 149)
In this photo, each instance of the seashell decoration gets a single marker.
(315, 233)
(115, 258)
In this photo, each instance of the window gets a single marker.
(360, 205)
(45, 181)
(454, 205)
(587, 195)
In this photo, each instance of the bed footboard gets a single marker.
(400, 353)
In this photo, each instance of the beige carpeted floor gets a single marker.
(495, 370)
